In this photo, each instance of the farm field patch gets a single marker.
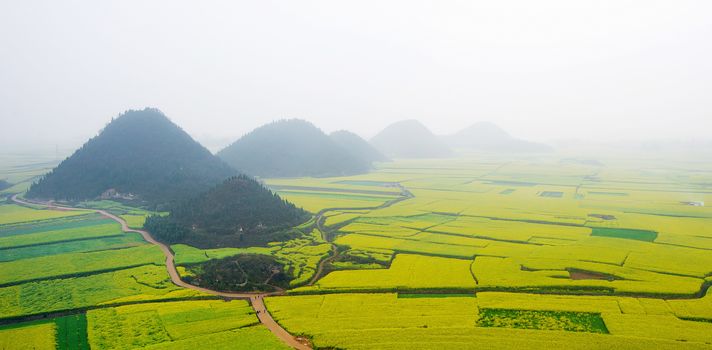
(84, 245)
(12, 213)
(640, 235)
(142, 283)
(543, 320)
(31, 335)
(406, 272)
(361, 321)
(161, 323)
(98, 228)
(72, 332)
(71, 264)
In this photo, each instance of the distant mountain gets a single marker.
(486, 136)
(357, 146)
(410, 139)
(238, 212)
(140, 155)
(291, 148)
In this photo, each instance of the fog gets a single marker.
(603, 71)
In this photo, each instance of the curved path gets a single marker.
(319, 221)
(255, 299)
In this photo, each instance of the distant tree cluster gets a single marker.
(141, 153)
(4, 184)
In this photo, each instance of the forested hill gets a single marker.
(142, 154)
(291, 148)
(410, 139)
(357, 146)
(238, 212)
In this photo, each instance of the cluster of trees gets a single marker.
(240, 204)
(141, 154)
(165, 230)
(291, 148)
(4, 184)
(246, 272)
(238, 212)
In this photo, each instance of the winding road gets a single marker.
(255, 299)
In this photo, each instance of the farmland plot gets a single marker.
(503, 320)
(223, 325)
(511, 253)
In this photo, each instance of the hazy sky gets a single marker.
(541, 69)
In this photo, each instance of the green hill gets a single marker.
(238, 212)
(291, 148)
(357, 146)
(141, 155)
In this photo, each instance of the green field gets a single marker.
(178, 325)
(640, 235)
(72, 332)
(614, 248)
(500, 320)
(544, 320)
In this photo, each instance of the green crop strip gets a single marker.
(625, 233)
(72, 332)
(543, 320)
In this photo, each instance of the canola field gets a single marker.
(179, 325)
(551, 252)
(496, 319)
(74, 280)
(481, 253)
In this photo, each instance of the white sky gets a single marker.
(600, 70)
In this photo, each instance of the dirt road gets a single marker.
(255, 299)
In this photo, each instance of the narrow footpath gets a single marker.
(319, 224)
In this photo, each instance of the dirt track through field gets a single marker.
(255, 299)
(319, 220)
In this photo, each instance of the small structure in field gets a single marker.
(112, 193)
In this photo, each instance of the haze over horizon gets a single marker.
(585, 70)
